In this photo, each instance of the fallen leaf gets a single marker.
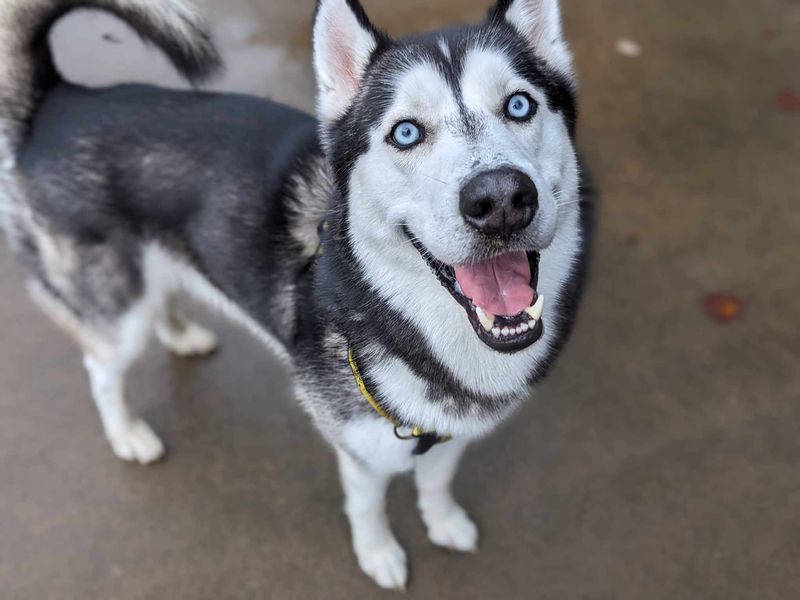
(723, 307)
(769, 33)
(789, 101)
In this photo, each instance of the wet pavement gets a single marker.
(660, 460)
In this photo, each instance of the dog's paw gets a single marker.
(455, 531)
(385, 564)
(137, 443)
(192, 341)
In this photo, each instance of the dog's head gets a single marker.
(453, 151)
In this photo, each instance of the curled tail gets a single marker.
(27, 69)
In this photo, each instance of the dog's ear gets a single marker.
(344, 42)
(539, 22)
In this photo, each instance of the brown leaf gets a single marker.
(769, 33)
(723, 307)
(789, 101)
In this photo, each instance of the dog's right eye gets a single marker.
(520, 107)
(406, 134)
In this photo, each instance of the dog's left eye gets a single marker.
(406, 134)
(520, 107)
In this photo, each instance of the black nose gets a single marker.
(499, 202)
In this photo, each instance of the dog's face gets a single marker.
(455, 147)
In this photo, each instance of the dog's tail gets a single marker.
(27, 69)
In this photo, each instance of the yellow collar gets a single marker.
(427, 439)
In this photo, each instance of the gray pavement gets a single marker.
(660, 460)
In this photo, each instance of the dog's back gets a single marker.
(160, 164)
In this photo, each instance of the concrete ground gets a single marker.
(660, 460)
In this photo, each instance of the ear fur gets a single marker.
(344, 43)
(539, 22)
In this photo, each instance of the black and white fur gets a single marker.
(117, 199)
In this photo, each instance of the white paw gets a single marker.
(137, 443)
(454, 531)
(386, 564)
(194, 340)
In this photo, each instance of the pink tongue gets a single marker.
(501, 286)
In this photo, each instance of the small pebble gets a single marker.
(628, 48)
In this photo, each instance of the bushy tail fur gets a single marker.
(26, 64)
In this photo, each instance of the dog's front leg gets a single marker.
(379, 555)
(448, 524)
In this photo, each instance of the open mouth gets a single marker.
(498, 295)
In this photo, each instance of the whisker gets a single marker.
(567, 203)
(435, 179)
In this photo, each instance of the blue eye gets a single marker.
(406, 134)
(520, 107)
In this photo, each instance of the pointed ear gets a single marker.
(539, 22)
(344, 41)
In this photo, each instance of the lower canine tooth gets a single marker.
(536, 310)
(486, 319)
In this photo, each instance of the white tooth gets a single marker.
(519, 329)
(504, 331)
(536, 310)
(486, 319)
(458, 288)
(531, 324)
(524, 327)
(496, 332)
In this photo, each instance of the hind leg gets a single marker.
(109, 350)
(183, 337)
(130, 437)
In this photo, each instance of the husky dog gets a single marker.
(416, 254)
